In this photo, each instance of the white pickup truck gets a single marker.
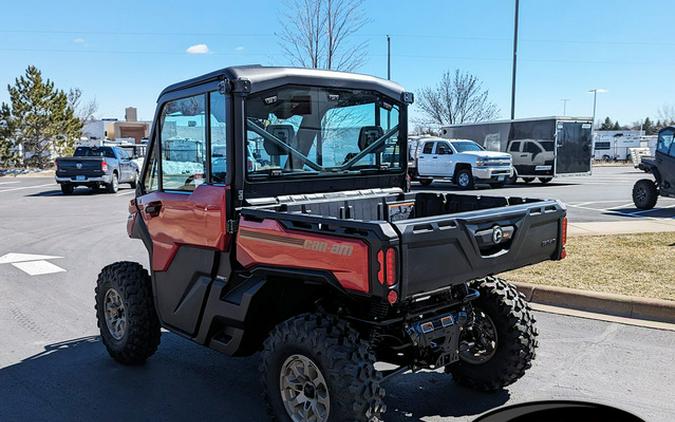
(462, 161)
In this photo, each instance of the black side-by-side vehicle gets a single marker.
(645, 191)
(274, 209)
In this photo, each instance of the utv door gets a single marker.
(574, 146)
(665, 159)
(184, 214)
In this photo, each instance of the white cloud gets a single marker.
(79, 40)
(197, 49)
(240, 48)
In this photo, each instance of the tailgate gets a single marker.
(439, 251)
(87, 166)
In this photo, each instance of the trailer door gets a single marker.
(574, 146)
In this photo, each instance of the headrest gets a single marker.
(285, 133)
(368, 135)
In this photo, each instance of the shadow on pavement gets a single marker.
(77, 380)
(450, 187)
(76, 192)
(636, 213)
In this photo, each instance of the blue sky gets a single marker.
(124, 52)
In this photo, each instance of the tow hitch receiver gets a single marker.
(437, 338)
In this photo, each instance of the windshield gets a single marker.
(303, 131)
(464, 146)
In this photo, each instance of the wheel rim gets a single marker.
(304, 391)
(115, 314)
(640, 194)
(479, 340)
(463, 180)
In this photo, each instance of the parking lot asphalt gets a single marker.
(606, 195)
(52, 367)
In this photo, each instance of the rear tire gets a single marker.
(464, 179)
(114, 184)
(503, 310)
(426, 182)
(545, 180)
(125, 313)
(528, 179)
(134, 182)
(497, 185)
(344, 364)
(645, 194)
(67, 189)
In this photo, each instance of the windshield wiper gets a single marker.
(378, 143)
(281, 144)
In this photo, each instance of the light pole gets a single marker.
(564, 101)
(388, 57)
(595, 92)
(515, 57)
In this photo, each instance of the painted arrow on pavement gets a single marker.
(32, 264)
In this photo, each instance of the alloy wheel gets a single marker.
(304, 390)
(115, 314)
(479, 340)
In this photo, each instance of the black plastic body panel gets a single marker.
(443, 250)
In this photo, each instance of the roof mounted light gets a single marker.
(408, 97)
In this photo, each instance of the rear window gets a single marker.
(94, 152)
(466, 146)
(428, 148)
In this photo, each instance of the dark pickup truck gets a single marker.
(106, 166)
(273, 204)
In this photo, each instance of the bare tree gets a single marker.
(666, 114)
(318, 34)
(83, 110)
(459, 97)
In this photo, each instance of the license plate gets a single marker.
(501, 178)
(78, 178)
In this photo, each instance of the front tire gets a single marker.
(125, 313)
(426, 182)
(545, 180)
(528, 179)
(134, 182)
(497, 185)
(464, 179)
(645, 194)
(314, 367)
(499, 345)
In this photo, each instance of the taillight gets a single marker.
(391, 266)
(387, 272)
(104, 166)
(563, 237)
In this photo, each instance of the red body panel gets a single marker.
(196, 218)
(268, 243)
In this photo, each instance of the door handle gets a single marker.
(434, 157)
(153, 208)
(523, 155)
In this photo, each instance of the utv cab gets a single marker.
(274, 209)
(662, 166)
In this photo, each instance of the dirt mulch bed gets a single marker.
(635, 264)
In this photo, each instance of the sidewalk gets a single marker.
(621, 227)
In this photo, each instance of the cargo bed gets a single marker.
(442, 238)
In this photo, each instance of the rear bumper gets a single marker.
(87, 179)
(491, 173)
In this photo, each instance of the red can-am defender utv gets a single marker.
(273, 206)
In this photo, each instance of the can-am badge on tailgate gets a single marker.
(497, 234)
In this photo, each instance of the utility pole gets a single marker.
(388, 57)
(515, 59)
(564, 101)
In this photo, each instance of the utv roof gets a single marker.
(268, 77)
(527, 119)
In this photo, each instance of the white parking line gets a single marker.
(126, 192)
(28, 187)
(9, 183)
(38, 267)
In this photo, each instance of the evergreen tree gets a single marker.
(45, 122)
(8, 155)
(607, 124)
(616, 126)
(649, 127)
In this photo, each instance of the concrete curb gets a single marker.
(601, 303)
